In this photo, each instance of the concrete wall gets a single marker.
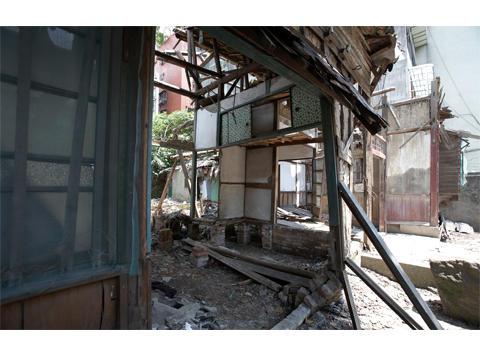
(287, 176)
(454, 51)
(179, 191)
(259, 165)
(232, 182)
(295, 152)
(206, 128)
(408, 168)
(410, 114)
(467, 208)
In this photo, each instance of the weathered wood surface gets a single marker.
(177, 90)
(234, 265)
(184, 64)
(263, 270)
(165, 189)
(270, 264)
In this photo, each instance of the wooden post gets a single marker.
(20, 159)
(165, 189)
(336, 243)
(193, 207)
(434, 155)
(367, 178)
(382, 219)
(70, 220)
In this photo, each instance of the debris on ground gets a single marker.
(293, 213)
(217, 296)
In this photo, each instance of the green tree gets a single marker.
(162, 127)
(163, 33)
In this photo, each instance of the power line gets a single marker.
(451, 77)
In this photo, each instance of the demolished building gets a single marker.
(80, 171)
(293, 80)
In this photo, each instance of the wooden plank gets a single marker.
(165, 189)
(184, 64)
(262, 270)
(77, 308)
(20, 158)
(416, 132)
(11, 316)
(100, 147)
(123, 302)
(189, 70)
(350, 300)
(174, 144)
(383, 295)
(110, 293)
(70, 221)
(388, 257)
(187, 180)
(177, 90)
(113, 128)
(232, 263)
(367, 179)
(227, 78)
(269, 264)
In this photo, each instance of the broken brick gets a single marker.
(302, 292)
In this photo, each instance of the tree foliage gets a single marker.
(162, 128)
(163, 33)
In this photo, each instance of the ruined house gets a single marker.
(76, 145)
(292, 80)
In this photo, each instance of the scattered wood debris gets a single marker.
(292, 213)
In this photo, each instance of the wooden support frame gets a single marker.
(227, 78)
(100, 147)
(388, 257)
(70, 223)
(165, 189)
(177, 90)
(350, 301)
(189, 185)
(21, 154)
(382, 295)
(434, 155)
(184, 64)
(336, 235)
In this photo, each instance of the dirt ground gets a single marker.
(254, 307)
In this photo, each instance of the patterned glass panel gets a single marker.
(306, 107)
(236, 125)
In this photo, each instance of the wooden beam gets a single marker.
(187, 180)
(190, 71)
(288, 143)
(165, 189)
(330, 166)
(207, 60)
(70, 220)
(388, 257)
(234, 265)
(378, 75)
(384, 91)
(234, 75)
(185, 64)
(177, 90)
(367, 179)
(434, 155)
(416, 132)
(174, 144)
(19, 205)
(383, 295)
